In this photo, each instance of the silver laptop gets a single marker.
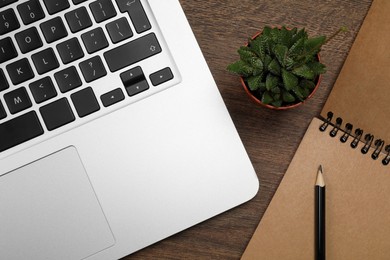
(113, 134)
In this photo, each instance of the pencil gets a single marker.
(320, 216)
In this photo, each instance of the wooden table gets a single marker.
(270, 137)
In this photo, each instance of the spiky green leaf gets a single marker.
(304, 71)
(275, 32)
(266, 98)
(276, 90)
(290, 81)
(258, 46)
(257, 65)
(274, 67)
(241, 68)
(317, 67)
(285, 37)
(307, 84)
(266, 31)
(277, 103)
(287, 97)
(267, 60)
(246, 53)
(281, 53)
(271, 81)
(297, 48)
(313, 45)
(254, 83)
(298, 93)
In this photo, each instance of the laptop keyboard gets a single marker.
(64, 63)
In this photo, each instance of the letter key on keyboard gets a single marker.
(7, 50)
(28, 40)
(54, 30)
(45, 61)
(17, 100)
(20, 71)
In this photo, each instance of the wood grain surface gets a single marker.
(270, 137)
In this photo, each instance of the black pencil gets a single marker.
(320, 216)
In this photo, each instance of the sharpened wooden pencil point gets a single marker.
(320, 216)
(320, 177)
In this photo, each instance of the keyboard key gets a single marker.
(85, 102)
(78, 19)
(132, 52)
(132, 76)
(3, 81)
(93, 69)
(70, 50)
(137, 88)
(102, 10)
(7, 50)
(161, 76)
(6, 2)
(28, 40)
(20, 71)
(17, 100)
(31, 11)
(137, 14)
(57, 114)
(3, 114)
(45, 61)
(134, 81)
(43, 90)
(94, 40)
(8, 21)
(67, 79)
(119, 30)
(112, 97)
(76, 2)
(19, 130)
(54, 30)
(55, 6)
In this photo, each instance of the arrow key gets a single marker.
(43, 90)
(161, 76)
(112, 97)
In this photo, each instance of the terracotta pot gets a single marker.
(256, 100)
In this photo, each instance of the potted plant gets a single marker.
(280, 68)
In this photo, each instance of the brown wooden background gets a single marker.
(270, 137)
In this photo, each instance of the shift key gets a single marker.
(132, 52)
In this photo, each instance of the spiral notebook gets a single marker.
(351, 141)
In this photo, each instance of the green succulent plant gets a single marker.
(280, 66)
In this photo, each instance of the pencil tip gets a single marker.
(320, 178)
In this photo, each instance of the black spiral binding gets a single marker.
(369, 140)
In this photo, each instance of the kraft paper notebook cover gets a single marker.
(358, 186)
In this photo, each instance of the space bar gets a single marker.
(132, 52)
(19, 130)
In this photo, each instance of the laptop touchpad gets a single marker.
(48, 210)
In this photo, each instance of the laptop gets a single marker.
(113, 134)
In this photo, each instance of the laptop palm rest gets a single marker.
(49, 208)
